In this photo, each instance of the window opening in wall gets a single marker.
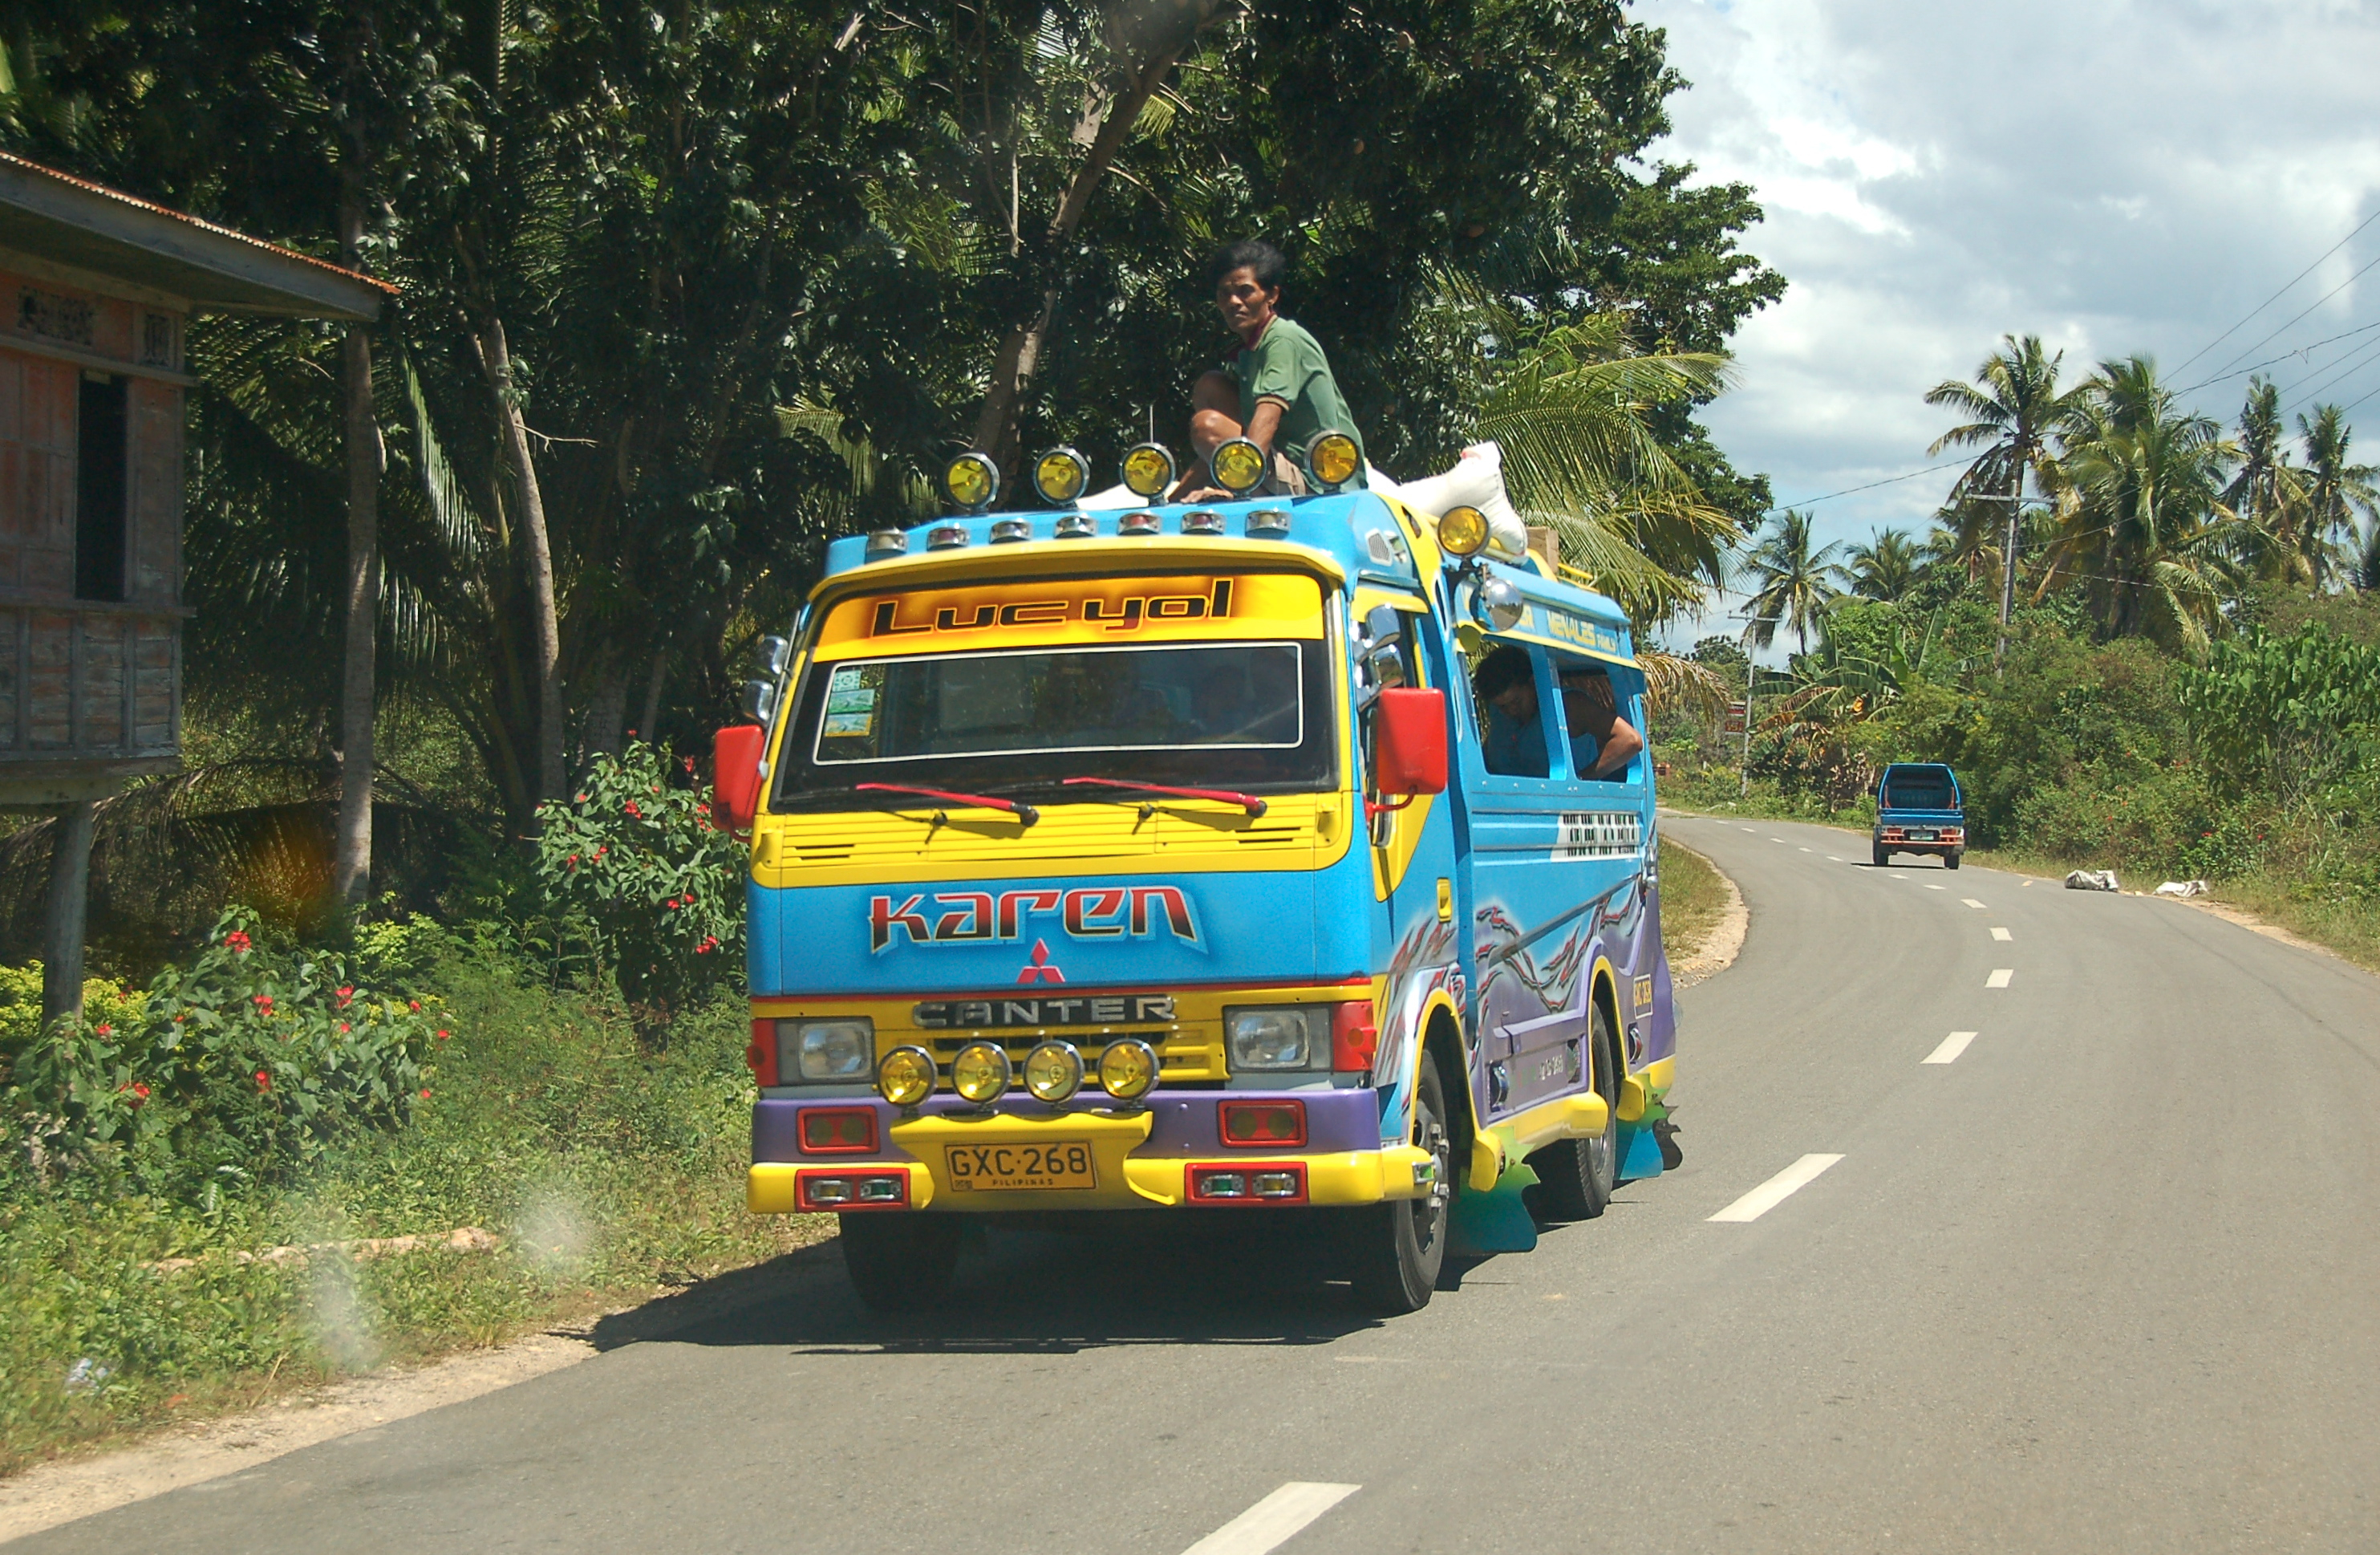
(101, 482)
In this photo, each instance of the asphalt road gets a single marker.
(2109, 1280)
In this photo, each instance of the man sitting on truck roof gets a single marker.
(1276, 390)
(1601, 742)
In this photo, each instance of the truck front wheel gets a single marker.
(900, 1262)
(1395, 1250)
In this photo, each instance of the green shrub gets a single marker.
(635, 862)
(239, 1067)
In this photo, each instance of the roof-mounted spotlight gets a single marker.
(946, 537)
(971, 481)
(1202, 521)
(1061, 475)
(1077, 525)
(887, 542)
(1008, 531)
(1463, 531)
(1137, 524)
(1148, 470)
(1332, 459)
(1268, 523)
(1239, 466)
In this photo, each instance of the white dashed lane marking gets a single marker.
(1273, 1520)
(1952, 1046)
(1930, 886)
(1777, 1189)
(1971, 901)
(2002, 934)
(1809, 850)
(1999, 978)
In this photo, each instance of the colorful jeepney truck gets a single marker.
(1149, 861)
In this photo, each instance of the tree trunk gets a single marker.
(653, 684)
(1020, 350)
(351, 867)
(69, 899)
(495, 359)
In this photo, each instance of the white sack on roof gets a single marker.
(1476, 480)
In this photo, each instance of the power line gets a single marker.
(2308, 308)
(2276, 361)
(2354, 365)
(2277, 297)
(1888, 481)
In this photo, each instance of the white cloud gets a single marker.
(2115, 177)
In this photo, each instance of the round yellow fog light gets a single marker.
(906, 1076)
(1054, 1072)
(1239, 466)
(1332, 460)
(1462, 530)
(1128, 1069)
(972, 480)
(1060, 475)
(1147, 469)
(980, 1073)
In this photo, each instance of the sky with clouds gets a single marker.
(2114, 178)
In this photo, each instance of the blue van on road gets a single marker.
(1920, 810)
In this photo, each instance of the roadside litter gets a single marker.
(2093, 880)
(2183, 888)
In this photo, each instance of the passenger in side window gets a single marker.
(1601, 742)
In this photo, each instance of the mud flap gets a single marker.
(1494, 1221)
(1640, 1152)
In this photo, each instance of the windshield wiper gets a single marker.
(1025, 814)
(1248, 802)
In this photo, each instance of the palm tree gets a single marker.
(2013, 407)
(2141, 523)
(1572, 413)
(2334, 492)
(2367, 567)
(1796, 583)
(1887, 568)
(2269, 492)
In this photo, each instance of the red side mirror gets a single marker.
(736, 775)
(1409, 741)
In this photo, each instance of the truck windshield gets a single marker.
(1243, 715)
(1918, 791)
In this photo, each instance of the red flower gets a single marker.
(441, 1036)
(425, 1093)
(104, 1029)
(601, 851)
(414, 1005)
(237, 940)
(343, 1028)
(582, 798)
(346, 994)
(139, 1092)
(689, 763)
(264, 1001)
(572, 862)
(631, 807)
(263, 1082)
(701, 808)
(670, 904)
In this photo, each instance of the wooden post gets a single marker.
(69, 897)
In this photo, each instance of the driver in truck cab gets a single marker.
(1601, 742)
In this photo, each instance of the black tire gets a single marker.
(1883, 856)
(1575, 1176)
(901, 1261)
(1395, 1250)
(1950, 859)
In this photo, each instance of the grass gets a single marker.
(610, 1172)
(1693, 898)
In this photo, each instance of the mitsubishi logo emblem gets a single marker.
(1039, 970)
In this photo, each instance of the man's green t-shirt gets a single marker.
(1287, 364)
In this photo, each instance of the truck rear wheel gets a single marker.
(1883, 856)
(1950, 859)
(1395, 1250)
(1578, 1174)
(901, 1262)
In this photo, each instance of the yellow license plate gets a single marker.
(1060, 1165)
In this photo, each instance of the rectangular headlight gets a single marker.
(825, 1051)
(1279, 1037)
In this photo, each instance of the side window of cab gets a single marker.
(1510, 701)
(1601, 720)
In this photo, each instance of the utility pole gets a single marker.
(1751, 668)
(2015, 497)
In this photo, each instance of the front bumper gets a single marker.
(1141, 1158)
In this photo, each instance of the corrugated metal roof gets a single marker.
(69, 221)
